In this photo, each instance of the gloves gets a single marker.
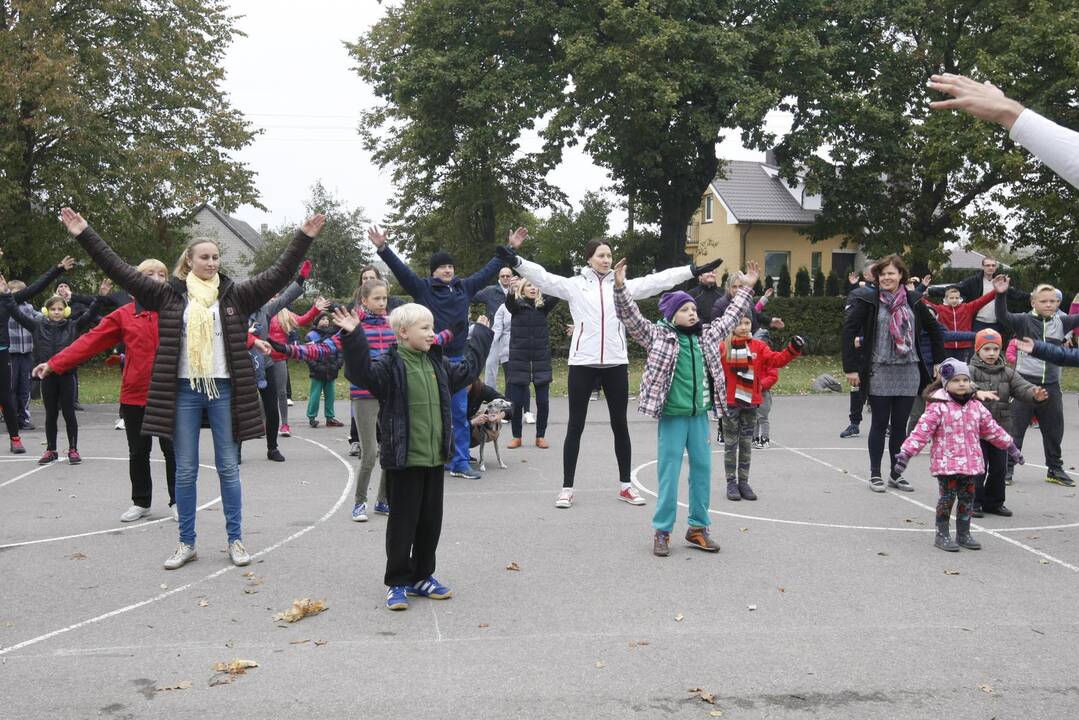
(798, 342)
(901, 461)
(1015, 454)
(305, 271)
(507, 255)
(278, 347)
(459, 328)
(699, 270)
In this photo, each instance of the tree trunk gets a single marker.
(679, 200)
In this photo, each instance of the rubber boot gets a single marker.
(943, 539)
(963, 538)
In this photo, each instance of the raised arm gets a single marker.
(106, 334)
(649, 285)
(1012, 321)
(978, 303)
(724, 324)
(360, 369)
(410, 281)
(151, 294)
(282, 301)
(44, 281)
(475, 282)
(27, 321)
(86, 319)
(548, 283)
(253, 293)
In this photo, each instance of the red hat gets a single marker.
(987, 336)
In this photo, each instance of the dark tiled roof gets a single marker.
(755, 196)
(244, 232)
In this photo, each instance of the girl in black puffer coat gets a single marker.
(530, 357)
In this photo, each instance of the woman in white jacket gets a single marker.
(598, 346)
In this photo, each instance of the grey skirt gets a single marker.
(894, 380)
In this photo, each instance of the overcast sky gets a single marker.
(292, 77)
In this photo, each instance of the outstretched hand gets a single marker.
(73, 221)
(1025, 345)
(41, 371)
(312, 226)
(752, 273)
(377, 236)
(984, 101)
(322, 303)
(517, 237)
(261, 346)
(106, 287)
(1041, 394)
(1001, 283)
(67, 263)
(345, 319)
(620, 273)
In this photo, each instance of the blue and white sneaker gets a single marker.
(359, 512)
(430, 588)
(466, 473)
(382, 508)
(396, 598)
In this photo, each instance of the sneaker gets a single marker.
(79, 407)
(430, 588)
(382, 508)
(757, 445)
(312, 422)
(284, 430)
(175, 514)
(514, 444)
(765, 442)
(26, 425)
(354, 449)
(238, 554)
(1003, 511)
(133, 513)
(275, 455)
(73, 457)
(334, 422)
(468, 474)
(542, 443)
(183, 554)
(359, 512)
(699, 538)
(977, 511)
(16, 446)
(48, 456)
(1009, 480)
(732, 491)
(288, 401)
(1057, 476)
(529, 418)
(565, 498)
(851, 431)
(746, 491)
(876, 484)
(397, 597)
(900, 483)
(119, 425)
(630, 495)
(944, 541)
(661, 544)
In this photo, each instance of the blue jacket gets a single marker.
(449, 303)
(1055, 354)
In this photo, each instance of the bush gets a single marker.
(783, 286)
(832, 286)
(801, 283)
(818, 283)
(818, 320)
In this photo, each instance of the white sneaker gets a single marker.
(565, 498)
(359, 512)
(530, 419)
(133, 513)
(175, 514)
(238, 554)
(184, 554)
(289, 402)
(120, 425)
(630, 495)
(354, 449)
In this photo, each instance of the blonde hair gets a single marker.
(151, 264)
(286, 319)
(16, 285)
(736, 280)
(1044, 287)
(520, 292)
(183, 265)
(408, 315)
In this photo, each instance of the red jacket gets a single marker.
(278, 334)
(959, 318)
(766, 361)
(137, 330)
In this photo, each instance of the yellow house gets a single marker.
(751, 213)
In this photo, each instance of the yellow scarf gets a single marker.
(201, 294)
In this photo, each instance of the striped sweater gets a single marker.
(746, 361)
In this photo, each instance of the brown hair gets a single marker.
(55, 299)
(879, 265)
(368, 287)
(593, 245)
(183, 265)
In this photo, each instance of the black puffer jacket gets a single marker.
(52, 337)
(22, 296)
(384, 377)
(327, 366)
(530, 341)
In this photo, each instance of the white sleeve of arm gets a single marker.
(1054, 145)
(546, 282)
(654, 284)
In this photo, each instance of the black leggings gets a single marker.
(7, 398)
(268, 395)
(615, 383)
(58, 394)
(888, 411)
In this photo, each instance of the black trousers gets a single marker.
(58, 395)
(7, 400)
(270, 410)
(857, 402)
(138, 458)
(21, 365)
(888, 412)
(1050, 416)
(989, 488)
(414, 525)
(615, 383)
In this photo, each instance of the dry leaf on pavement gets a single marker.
(600, 664)
(987, 689)
(716, 713)
(203, 602)
(235, 667)
(678, 617)
(77, 556)
(513, 566)
(951, 572)
(182, 685)
(703, 694)
(300, 609)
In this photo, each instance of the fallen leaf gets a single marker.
(907, 520)
(782, 589)
(182, 685)
(600, 664)
(743, 530)
(951, 572)
(484, 625)
(77, 556)
(678, 617)
(203, 602)
(249, 574)
(513, 566)
(250, 590)
(298, 642)
(320, 643)
(1044, 562)
(638, 643)
(301, 609)
(883, 554)
(751, 607)
(1032, 537)
(163, 586)
(704, 695)
(232, 668)
(987, 689)
(716, 713)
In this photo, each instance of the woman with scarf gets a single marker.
(888, 319)
(202, 363)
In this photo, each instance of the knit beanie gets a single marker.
(439, 259)
(951, 368)
(672, 302)
(988, 336)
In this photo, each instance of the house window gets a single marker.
(843, 263)
(815, 261)
(774, 262)
(708, 208)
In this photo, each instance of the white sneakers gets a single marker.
(529, 418)
(238, 554)
(133, 513)
(119, 424)
(565, 498)
(184, 554)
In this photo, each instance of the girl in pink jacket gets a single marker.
(955, 420)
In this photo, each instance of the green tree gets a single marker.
(338, 255)
(831, 285)
(115, 108)
(802, 286)
(783, 285)
(818, 283)
(557, 243)
(899, 175)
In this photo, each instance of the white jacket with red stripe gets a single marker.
(598, 335)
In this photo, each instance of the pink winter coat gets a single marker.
(955, 431)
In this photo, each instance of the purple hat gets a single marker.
(671, 303)
(952, 367)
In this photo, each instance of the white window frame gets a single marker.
(708, 213)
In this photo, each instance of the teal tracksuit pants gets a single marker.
(679, 434)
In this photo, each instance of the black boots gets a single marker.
(963, 538)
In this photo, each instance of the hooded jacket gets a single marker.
(955, 431)
(1006, 383)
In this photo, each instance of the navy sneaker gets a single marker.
(430, 588)
(851, 431)
(467, 474)
(396, 597)
(382, 508)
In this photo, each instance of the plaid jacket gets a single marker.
(20, 340)
(662, 345)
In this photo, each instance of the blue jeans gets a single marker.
(678, 434)
(462, 432)
(185, 441)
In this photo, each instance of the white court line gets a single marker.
(211, 576)
(912, 501)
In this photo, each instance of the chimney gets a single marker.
(770, 157)
(264, 228)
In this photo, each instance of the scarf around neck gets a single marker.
(901, 322)
(201, 295)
